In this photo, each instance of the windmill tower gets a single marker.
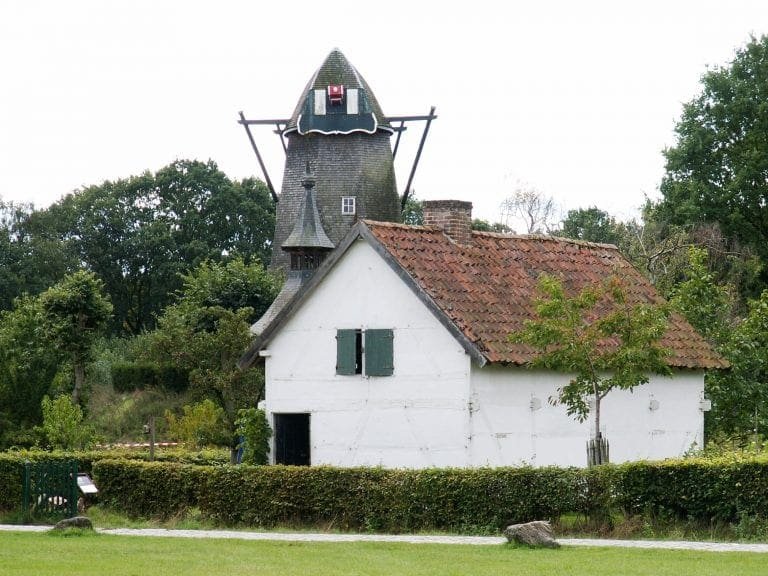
(339, 132)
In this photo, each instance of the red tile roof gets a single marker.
(486, 288)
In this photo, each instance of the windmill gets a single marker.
(338, 129)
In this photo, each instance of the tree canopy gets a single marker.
(75, 314)
(570, 334)
(717, 171)
(590, 224)
(140, 234)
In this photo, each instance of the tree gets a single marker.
(485, 226)
(716, 172)
(208, 328)
(75, 314)
(28, 366)
(704, 303)
(32, 257)
(590, 224)
(740, 395)
(531, 207)
(413, 212)
(571, 334)
(139, 234)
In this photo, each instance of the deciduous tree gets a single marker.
(75, 314)
(717, 171)
(571, 335)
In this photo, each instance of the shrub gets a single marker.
(202, 424)
(63, 425)
(150, 489)
(254, 431)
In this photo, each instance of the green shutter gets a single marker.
(378, 352)
(345, 351)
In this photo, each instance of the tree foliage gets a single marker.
(63, 425)
(571, 335)
(718, 169)
(139, 234)
(254, 432)
(75, 313)
(485, 226)
(590, 224)
(28, 365)
(740, 395)
(208, 328)
(704, 303)
(199, 426)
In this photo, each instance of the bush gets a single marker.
(254, 433)
(63, 425)
(202, 424)
(150, 489)
(483, 500)
(718, 490)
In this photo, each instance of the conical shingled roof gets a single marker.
(308, 231)
(336, 69)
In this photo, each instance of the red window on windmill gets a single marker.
(336, 94)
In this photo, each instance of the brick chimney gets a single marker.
(453, 216)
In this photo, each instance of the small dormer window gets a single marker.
(348, 205)
(336, 94)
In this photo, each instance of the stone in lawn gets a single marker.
(77, 522)
(538, 534)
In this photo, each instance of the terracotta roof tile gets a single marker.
(486, 288)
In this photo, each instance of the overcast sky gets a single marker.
(576, 99)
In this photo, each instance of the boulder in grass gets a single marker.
(537, 534)
(80, 522)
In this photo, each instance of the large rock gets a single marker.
(77, 522)
(538, 534)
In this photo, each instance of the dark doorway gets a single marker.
(292, 439)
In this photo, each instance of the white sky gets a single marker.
(577, 99)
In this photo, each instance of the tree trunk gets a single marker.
(79, 367)
(597, 415)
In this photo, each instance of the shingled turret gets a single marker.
(338, 128)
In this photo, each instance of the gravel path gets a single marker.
(411, 539)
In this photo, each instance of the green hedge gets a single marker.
(12, 472)
(154, 489)
(12, 464)
(725, 489)
(478, 500)
(375, 499)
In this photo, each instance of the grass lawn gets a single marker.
(43, 554)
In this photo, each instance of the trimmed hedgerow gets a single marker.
(724, 489)
(477, 500)
(375, 499)
(150, 489)
(12, 471)
(12, 464)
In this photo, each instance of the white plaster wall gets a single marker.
(506, 431)
(415, 418)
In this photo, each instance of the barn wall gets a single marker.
(415, 418)
(513, 423)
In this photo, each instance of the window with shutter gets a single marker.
(379, 352)
(349, 352)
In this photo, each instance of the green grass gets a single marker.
(44, 554)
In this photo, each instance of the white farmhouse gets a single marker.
(394, 353)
